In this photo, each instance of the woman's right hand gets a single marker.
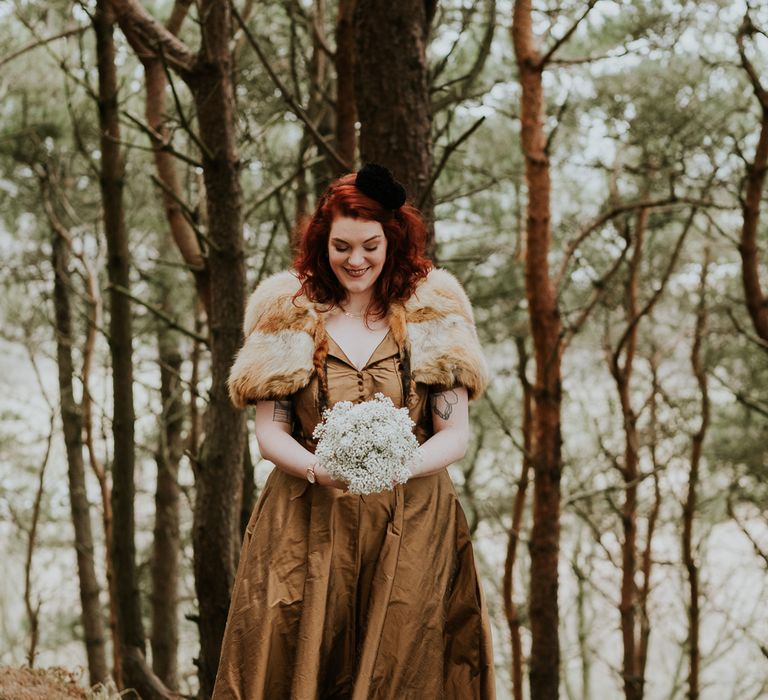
(323, 478)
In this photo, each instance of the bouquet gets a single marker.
(369, 445)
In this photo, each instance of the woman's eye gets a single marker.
(370, 250)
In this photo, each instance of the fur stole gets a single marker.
(285, 341)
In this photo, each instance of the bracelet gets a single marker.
(311, 476)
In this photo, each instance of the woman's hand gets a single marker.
(323, 478)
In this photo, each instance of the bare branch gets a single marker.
(612, 213)
(294, 106)
(763, 554)
(40, 42)
(599, 287)
(547, 57)
(172, 323)
(588, 59)
(447, 151)
(464, 83)
(748, 29)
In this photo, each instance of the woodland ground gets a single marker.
(48, 684)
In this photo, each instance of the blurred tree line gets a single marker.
(594, 174)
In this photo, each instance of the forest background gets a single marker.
(594, 171)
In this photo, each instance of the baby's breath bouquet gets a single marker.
(369, 445)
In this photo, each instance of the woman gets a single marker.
(340, 595)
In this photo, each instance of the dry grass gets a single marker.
(39, 684)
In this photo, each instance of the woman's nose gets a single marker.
(356, 257)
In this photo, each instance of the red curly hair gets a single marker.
(406, 235)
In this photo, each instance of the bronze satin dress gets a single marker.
(358, 597)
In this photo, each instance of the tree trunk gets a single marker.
(219, 484)
(219, 465)
(753, 293)
(165, 163)
(622, 374)
(129, 624)
(391, 87)
(689, 507)
(72, 420)
(346, 108)
(518, 507)
(757, 305)
(545, 323)
(166, 545)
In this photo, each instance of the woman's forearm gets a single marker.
(285, 452)
(441, 450)
(273, 423)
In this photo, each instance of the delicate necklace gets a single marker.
(346, 313)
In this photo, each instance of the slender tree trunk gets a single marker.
(166, 545)
(129, 624)
(391, 87)
(689, 507)
(544, 317)
(346, 107)
(165, 164)
(753, 293)
(323, 171)
(33, 608)
(219, 484)
(622, 373)
(653, 517)
(510, 607)
(219, 464)
(72, 420)
(130, 629)
(755, 180)
(583, 630)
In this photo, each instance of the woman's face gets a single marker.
(357, 250)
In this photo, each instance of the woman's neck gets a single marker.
(356, 304)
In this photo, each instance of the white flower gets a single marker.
(369, 445)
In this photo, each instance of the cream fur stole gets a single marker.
(285, 342)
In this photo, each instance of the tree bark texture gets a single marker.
(753, 292)
(510, 607)
(95, 308)
(622, 374)
(166, 545)
(346, 107)
(219, 484)
(391, 87)
(129, 623)
(545, 323)
(689, 507)
(208, 73)
(757, 305)
(320, 113)
(181, 230)
(72, 421)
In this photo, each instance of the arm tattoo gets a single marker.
(443, 403)
(283, 412)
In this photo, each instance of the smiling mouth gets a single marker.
(356, 273)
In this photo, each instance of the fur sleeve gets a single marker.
(444, 346)
(276, 359)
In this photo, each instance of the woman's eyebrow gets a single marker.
(367, 240)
